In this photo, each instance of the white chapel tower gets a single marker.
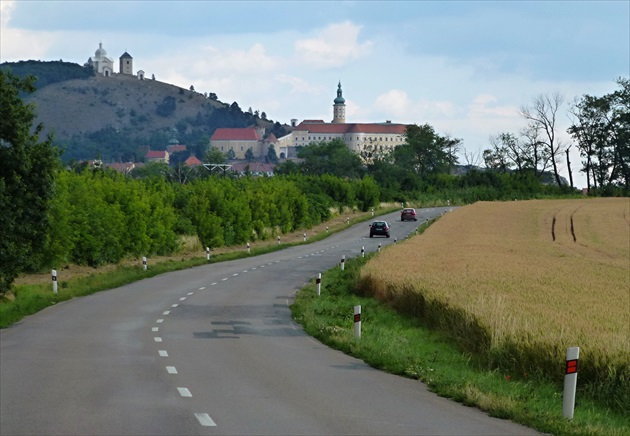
(339, 108)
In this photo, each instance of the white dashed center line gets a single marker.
(212, 284)
(190, 293)
(159, 321)
(174, 305)
(163, 353)
(224, 279)
(202, 288)
(184, 392)
(171, 370)
(166, 312)
(155, 329)
(182, 299)
(205, 420)
(234, 275)
(157, 339)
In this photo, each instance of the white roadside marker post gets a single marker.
(379, 247)
(144, 263)
(278, 240)
(248, 249)
(357, 321)
(304, 237)
(362, 251)
(54, 281)
(318, 281)
(570, 382)
(326, 229)
(348, 220)
(372, 211)
(343, 262)
(207, 253)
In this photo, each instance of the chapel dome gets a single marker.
(100, 51)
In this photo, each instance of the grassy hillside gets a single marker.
(118, 118)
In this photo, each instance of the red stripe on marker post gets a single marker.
(357, 321)
(572, 366)
(570, 382)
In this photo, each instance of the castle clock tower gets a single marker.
(339, 108)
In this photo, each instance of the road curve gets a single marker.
(213, 350)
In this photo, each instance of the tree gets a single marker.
(272, 157)
(426, 153)
(27, 169)
(541, 116)
(214, 156)
(332, 157)
(601, 129)
(249, 155)
(231, 154)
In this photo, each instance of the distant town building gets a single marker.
(156, 156)
(192, 161)
(239, 140)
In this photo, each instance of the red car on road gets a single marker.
(408, 214)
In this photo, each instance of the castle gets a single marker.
(104, 65)
(367, 139)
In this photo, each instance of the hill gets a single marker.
(119, 118)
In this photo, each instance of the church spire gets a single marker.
(339, 108)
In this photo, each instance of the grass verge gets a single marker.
(29, 298)
(402, 345)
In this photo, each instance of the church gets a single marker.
(104, 65)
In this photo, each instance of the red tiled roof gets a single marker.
(373, 128)
(236, 134)
(176, 148)
(192, 161)
(271, 138)
(155, 154)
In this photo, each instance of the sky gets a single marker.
(464, 67)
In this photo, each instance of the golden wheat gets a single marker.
(536, 276)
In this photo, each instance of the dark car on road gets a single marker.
(379, 228)
(408, 214)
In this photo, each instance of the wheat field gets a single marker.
(520, 282)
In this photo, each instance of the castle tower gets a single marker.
(126, 64)
(339, 108)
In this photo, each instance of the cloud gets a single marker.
(6, 7)
(335, 46)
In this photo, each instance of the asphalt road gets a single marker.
(213, 350)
